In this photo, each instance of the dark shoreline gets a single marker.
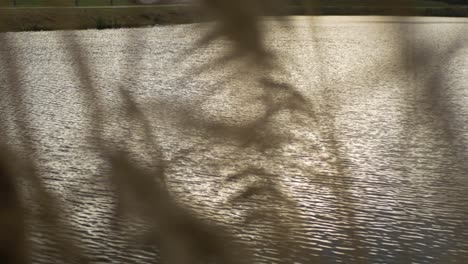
(455, 11)
(69, 18)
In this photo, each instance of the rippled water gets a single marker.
(374, 165)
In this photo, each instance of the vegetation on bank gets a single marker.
(382, 11)
(89, 17)
(374, 3)
(63, 18)
(45, 3)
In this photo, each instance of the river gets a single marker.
(363, 156)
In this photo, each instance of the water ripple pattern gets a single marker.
(374, 171)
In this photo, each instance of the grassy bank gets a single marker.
(441, 11)
(45, 3)
(62, 18)
(377, 3)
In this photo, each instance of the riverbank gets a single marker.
(64, 18)
(440, 11)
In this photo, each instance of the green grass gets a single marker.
(47, 3)
(379, 3)
(63, 18)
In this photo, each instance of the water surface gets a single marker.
(371, 162)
